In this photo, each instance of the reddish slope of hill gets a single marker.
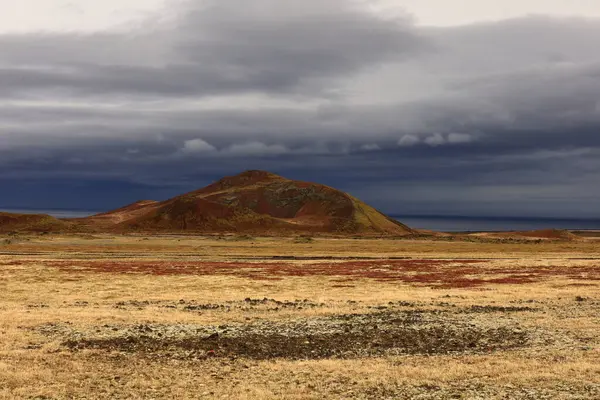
(111, 218)
(255, 202)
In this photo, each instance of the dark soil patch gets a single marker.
(492, 309)
(38, 306)
(343, 336)
(204, 307)
(132, 303)
(245, 305)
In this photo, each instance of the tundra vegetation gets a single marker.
(132, 316)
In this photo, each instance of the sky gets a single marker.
(472, 107)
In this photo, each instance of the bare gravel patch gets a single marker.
(389, 332)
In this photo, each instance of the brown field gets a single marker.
(96, 317)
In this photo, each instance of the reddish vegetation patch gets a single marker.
(431, 273)
(580, 285)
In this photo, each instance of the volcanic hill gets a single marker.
(255, 202)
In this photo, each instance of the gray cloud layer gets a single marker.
(306, 87)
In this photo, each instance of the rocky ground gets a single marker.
(385, 332)
(393, 330)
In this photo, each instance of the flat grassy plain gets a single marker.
(97, 317)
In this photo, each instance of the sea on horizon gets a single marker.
(435, 223)
(495, 224)
(54, 213)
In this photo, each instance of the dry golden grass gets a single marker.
(105, 246)
(48, 282)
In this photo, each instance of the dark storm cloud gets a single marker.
(329, 91)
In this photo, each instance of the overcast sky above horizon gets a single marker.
(472, 107)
